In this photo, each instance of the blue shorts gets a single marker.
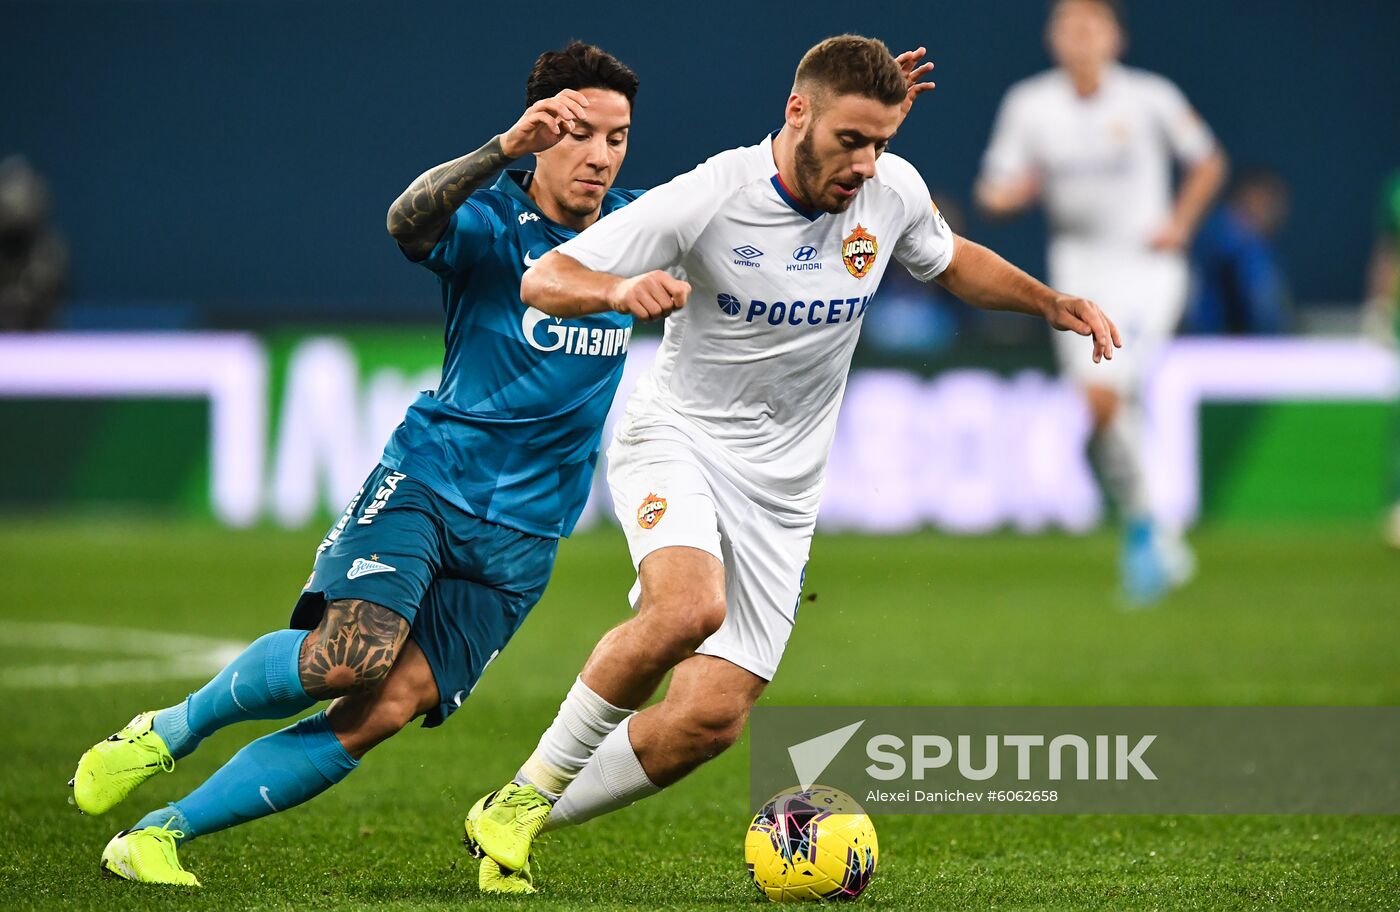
(463, 584)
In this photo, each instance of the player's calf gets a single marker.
(363, 720)
(703, 715)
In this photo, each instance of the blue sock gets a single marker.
(264, 682)
(1137, 532)
(274, 773)
(166, 816)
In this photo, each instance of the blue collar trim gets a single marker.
(810, 215)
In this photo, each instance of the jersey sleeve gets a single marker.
(655, 231)
(925, 246)
(1187, 134)
(1010, 154)
(471, 231)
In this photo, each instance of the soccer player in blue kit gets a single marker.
(450, 542)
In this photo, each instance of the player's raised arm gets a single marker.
(983, 279)
(419, 216)
(561, 286)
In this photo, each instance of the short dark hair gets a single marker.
(1114, 7)
(1258, 177)
(579, 66)
(853, 65)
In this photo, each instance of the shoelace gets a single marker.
(163, 756)
(167, 839)
(523, 798)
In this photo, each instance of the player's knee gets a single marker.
(680, 625)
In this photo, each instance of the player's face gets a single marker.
(840, 140)
(1083, 34)
(580, 169)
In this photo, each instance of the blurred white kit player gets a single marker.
(1095, 142)
(724, 443)
(1105, 165)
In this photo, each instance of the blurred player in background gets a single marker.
(1094, 141)
(451, 541)
(1238, 285)
(33, 256)
(1383, 316)
(718, 466)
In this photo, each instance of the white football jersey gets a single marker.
(1106, 160)
(753, 369)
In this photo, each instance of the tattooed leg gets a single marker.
(352, 650)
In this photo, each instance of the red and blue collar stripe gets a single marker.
(785, 194)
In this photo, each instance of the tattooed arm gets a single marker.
(419, 216)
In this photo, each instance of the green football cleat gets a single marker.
(491, 878)
(147, 856)
(112, 769)
(503, 824)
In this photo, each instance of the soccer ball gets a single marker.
(811, 845)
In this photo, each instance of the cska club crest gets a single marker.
(651, 511)
(858, 252)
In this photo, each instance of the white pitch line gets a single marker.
(164, 656)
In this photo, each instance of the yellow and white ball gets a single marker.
(811, 845)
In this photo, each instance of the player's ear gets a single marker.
(799, 108)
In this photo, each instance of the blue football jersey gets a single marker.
(511, 434)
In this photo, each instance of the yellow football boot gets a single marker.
(112, 769)
(503, 824)
(148, 856)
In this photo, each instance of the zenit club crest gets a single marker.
(651, 511)
(858, 252)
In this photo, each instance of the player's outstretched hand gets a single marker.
(543, 124)
(913, 72)
(651, 295)
(1084, 317)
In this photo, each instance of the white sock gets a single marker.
(1120, 448)
(584, 720)
(613, 779)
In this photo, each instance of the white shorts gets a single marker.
(1142, 291)
(666, 493)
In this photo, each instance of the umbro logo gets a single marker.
(748, 253)
(364, 567)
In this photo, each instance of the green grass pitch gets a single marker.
(1278, 616)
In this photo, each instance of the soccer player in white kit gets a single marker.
(774, 251)
(1095, 141)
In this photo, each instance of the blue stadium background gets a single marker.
(229, 163)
